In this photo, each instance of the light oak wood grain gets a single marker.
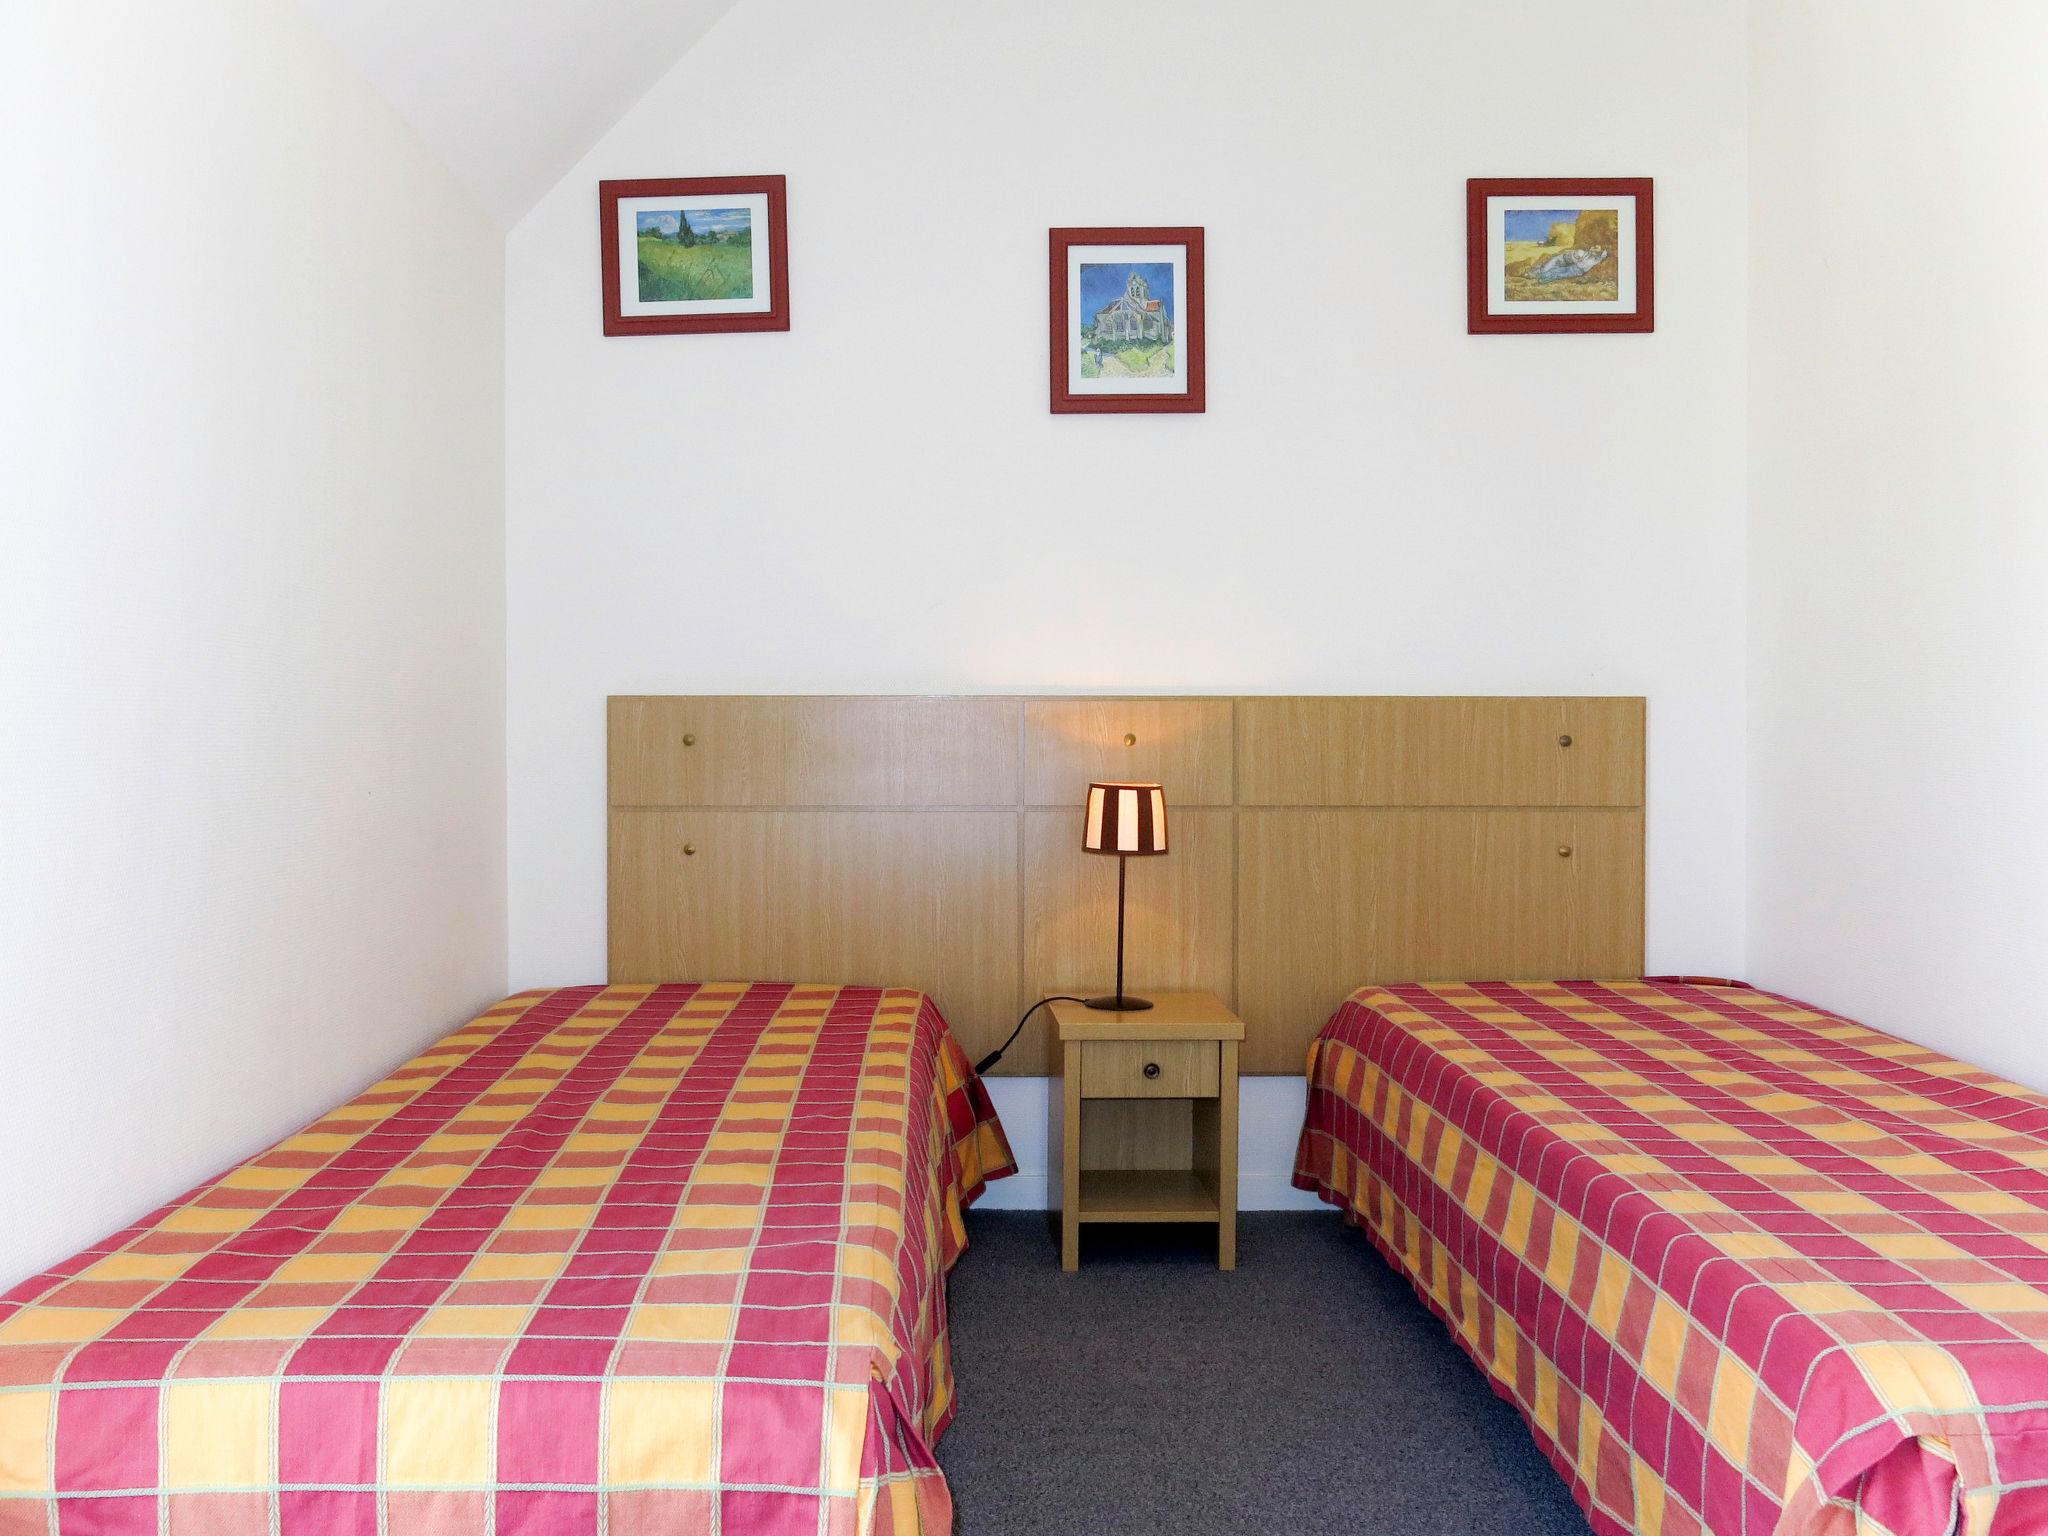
(871, 898)
(1184, 745)
(1214, 1128)
(1063, 1150)
(800, 751)
(1423, 845)
(1126, 1158)
(1148, 1194)
(1194, 1014)
(1149, 1069)
(1138, 1133)
(1179, 915)
(1332, 899)
(1440, 752)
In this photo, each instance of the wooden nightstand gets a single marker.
(1144, 1118)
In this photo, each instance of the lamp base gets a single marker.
(1120, 1004)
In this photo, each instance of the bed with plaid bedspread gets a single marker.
(631, 1259)
(1746, 1267)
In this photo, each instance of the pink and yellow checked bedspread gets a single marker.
(1746, 1267)
(632, 1259)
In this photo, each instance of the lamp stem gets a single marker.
(1116, 1002)
(1123, 864)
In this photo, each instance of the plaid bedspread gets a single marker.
(632, 1259)
(1745, 1267)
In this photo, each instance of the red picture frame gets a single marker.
(774, 318)
(1188, 327)
(1482, 320)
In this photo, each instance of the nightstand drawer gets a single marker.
(1141, 1069)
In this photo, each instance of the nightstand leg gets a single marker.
(1226, 1160)
(1069, 1089)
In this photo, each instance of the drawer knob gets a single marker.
(1564, 741)
(689, 848)
(1564, 850)
(689, 739)
(1130, 738)
(1151, 1069)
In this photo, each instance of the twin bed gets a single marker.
(1744, 1266)
(662, 1257)
(637, 1259)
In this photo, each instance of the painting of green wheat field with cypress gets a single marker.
(695, 253)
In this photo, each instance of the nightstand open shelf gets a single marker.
(1148, 1194)
(1144, 1118)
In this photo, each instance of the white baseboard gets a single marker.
(1269, 1120)
(1255, 1192)
(1274, 1192)
(1019, 1192)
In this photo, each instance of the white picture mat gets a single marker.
(631, 305)
(1175, 383)
(1497, 302)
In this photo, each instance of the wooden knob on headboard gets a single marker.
(689, 740)
(1130, 738)
(1562, 741)
(1564, 850)
(689, 848)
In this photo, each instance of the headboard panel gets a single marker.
(779, 753)
(1318, 843)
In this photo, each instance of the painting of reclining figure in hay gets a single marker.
(1555, 255)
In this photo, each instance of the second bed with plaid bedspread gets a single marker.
(634, 1259)
(1746, 1267)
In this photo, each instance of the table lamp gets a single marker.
(1124, 819)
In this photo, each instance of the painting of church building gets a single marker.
(1133, 316)
(1126, 315)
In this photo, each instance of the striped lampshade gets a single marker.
(1125, 818)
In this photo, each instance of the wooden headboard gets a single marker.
(1317, 844)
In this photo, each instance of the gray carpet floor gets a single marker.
(1151, 1393)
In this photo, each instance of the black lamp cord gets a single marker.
(996, 1055)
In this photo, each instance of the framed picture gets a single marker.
(1559, 254)
(697, 253)
(1127, 320)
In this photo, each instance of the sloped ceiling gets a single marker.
(510, 93)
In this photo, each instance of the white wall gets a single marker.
(509, 92)
(251, 602)
(1375, 502)
(1899, 640)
